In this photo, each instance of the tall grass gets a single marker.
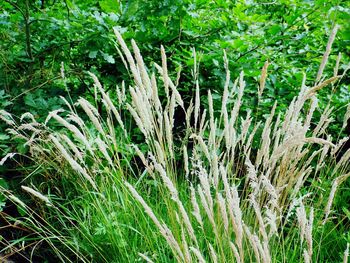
(232, 190)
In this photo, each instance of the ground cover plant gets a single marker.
(117, 179)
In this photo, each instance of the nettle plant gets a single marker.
(210, 197)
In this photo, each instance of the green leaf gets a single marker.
(93, 54)
(2, 205)
(346, 212)
(29, 100)
(4, 137)
(109, 6)
(3, 183)
(238, 44)
(70, 5)
(108, 58)
(274, 30)
(21, 211)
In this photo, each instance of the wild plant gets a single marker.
(215, 196)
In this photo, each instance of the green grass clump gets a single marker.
(232, 189)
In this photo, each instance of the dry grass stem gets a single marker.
(327, 52)
(77, 167)
(346, 254)
(263, 78)
(36, 194)
(143, 256)
(6, 157)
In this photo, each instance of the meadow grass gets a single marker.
(233, 189)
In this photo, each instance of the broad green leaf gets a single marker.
(108, 58)
(274, 30)
(4, 137)
(93, 54)
(110, 6)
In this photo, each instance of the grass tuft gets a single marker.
(119, 186)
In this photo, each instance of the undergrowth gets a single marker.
(231, 189)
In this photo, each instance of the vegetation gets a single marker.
(228, 144)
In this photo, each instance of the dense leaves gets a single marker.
(48, 46)
(292, 35)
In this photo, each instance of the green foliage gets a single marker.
(3, 185)
(290, 34)
(47, 47)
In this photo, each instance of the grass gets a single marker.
(233, 189)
